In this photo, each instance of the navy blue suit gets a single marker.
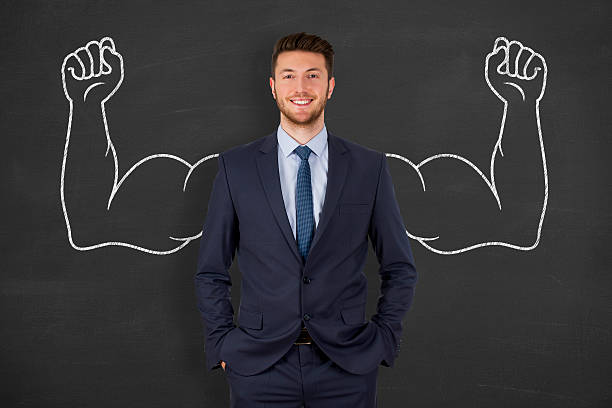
(279, 291)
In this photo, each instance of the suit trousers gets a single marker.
(303, 377)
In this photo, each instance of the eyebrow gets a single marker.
(292, 70)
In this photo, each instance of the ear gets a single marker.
(332, 84)
(272, 87)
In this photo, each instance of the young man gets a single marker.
(298, 205)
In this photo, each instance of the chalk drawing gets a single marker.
(96, 55)
(512, 70)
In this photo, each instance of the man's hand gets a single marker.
(223, 364)
(515, 73)
(93, 73)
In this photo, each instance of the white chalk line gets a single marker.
(111, 147)
(491, 184)
(501, 69)
(517, 87)
(89, 88)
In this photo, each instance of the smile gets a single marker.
(301, 102)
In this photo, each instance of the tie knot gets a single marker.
(303, 152)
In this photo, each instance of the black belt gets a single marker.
(304, 337)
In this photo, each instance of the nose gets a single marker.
(301, 84)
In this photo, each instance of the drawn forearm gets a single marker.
(518, 158)
(519, 168)
(89, 167)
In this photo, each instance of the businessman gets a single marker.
(298, 207)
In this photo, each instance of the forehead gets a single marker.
(299, 60)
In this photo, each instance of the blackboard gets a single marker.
(492, 325)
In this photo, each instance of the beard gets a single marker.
(317, 109)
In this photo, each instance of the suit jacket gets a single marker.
(279, 291)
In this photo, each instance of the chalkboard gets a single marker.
(513, 304)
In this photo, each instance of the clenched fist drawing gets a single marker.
(93, 73)
(515, 72)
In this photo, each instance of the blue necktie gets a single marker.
(303, 203)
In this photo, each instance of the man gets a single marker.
(299, 205)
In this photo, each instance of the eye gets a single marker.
(287, 76)
(314, 75)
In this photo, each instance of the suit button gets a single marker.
(306, 316)
(306, 279)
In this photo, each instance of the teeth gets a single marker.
(302, 102)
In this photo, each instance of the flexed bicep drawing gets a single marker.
(102, 207)
(105, 205)
(463, 207)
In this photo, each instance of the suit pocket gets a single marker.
(353, 208)
(250, 319)
(354, 314)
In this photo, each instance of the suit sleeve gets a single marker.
(397, 271)
(212, 279)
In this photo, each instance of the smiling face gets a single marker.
(301, 88)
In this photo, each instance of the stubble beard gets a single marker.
(316, 113)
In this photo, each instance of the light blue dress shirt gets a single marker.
(288, 165)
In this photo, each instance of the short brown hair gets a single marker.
(305, 42)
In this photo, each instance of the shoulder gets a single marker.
(244, 153)
(363, 154)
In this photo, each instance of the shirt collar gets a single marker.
(288, 144)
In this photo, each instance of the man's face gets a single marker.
(301, 88)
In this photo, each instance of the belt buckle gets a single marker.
(304, 337)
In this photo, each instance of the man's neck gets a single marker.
(302, 134)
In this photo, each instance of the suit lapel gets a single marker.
(337, 169)
(267, 166)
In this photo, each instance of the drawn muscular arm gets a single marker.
(462, 207)
(143, 205)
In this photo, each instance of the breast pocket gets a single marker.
(354, 208)
(354, 219)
